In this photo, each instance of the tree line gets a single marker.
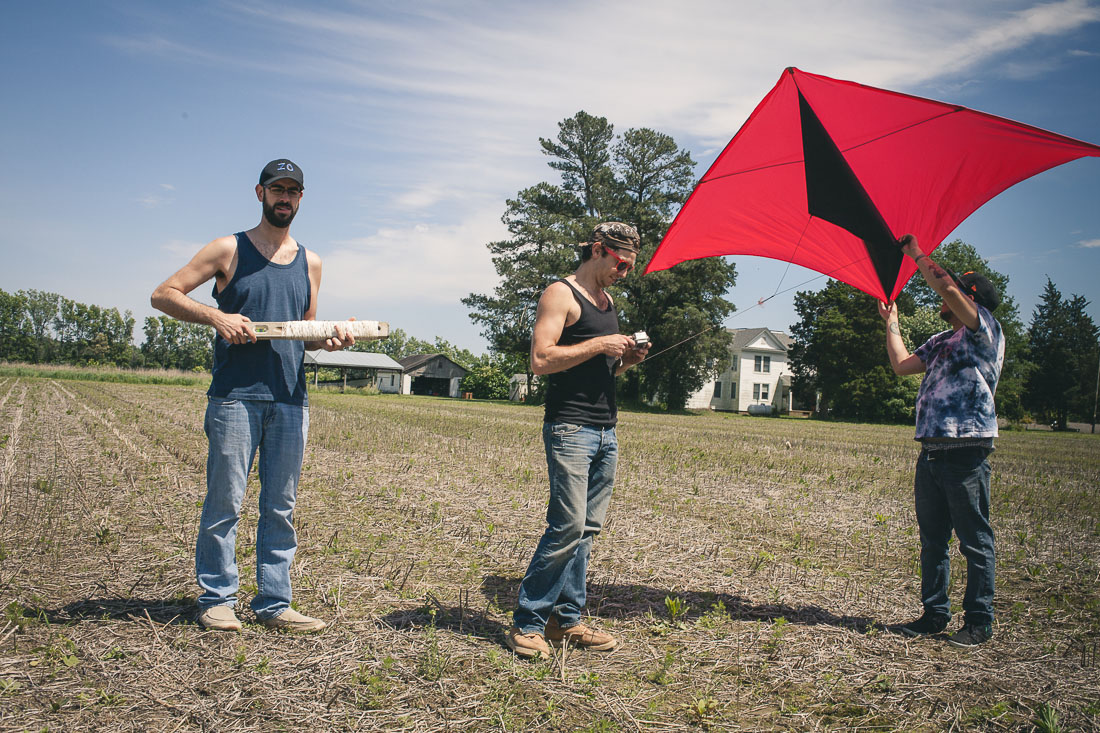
(41, 327)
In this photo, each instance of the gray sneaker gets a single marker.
(220, 618)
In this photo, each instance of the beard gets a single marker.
(280, 219)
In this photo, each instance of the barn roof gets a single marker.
(415, 361)
(351, 360)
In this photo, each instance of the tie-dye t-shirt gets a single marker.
(962, 369)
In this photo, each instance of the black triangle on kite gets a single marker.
(835, 194)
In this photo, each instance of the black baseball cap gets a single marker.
(979, 288)
(281, 168)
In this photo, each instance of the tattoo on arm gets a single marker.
(894, 328)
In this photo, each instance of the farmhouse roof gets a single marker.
(742, 337)
(351, 360)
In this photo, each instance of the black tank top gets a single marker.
(585, 394)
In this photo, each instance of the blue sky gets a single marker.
(134, 131)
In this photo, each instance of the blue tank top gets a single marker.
(268, 370)
(585, 394)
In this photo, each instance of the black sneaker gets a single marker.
(971, 635)
(929, 623)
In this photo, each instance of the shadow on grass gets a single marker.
(472, 615)
(611, 600)
(172, 611)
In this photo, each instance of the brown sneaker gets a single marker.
(220, 618)
(291, 620)
(580, 635)
(526, 645)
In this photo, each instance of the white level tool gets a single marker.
(317, 330)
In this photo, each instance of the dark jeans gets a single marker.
(952, 492)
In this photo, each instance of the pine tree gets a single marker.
(640, 178)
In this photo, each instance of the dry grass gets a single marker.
(749, 580)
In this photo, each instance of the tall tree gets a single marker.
(89, 334)
(640, 178)
(1082, 337)
(839, 351)
(174, 344)
(581, 154)
(16, 338)
(1062, 341)
(41, 311)
(678, 306)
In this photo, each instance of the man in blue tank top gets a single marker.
(577, 346)
(956, 425)
(257, 399)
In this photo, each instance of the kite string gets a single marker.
(760, 303)
(789, 262)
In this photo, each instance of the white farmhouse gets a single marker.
(757, 378)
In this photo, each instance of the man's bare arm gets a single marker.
(547, 356)
(938, 279)
(171, 296)
(900, 359)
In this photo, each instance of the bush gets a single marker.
(486, 382)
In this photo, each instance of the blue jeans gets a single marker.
(581, 462)
(952, 492)
(236, 430)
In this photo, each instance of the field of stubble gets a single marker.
(749, 566)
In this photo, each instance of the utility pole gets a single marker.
(1097, 392)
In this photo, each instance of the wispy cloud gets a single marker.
(181, 251)
(153, 201)
(434, 264)
(1089, 243)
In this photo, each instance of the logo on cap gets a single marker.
(281, 168)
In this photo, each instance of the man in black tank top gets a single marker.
(577, 346)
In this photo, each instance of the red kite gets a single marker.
(828, 174)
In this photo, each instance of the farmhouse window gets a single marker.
(763, 364)
(760, 391)
(717, 389)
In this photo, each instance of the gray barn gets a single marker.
(431, 374)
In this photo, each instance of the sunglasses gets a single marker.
(623, 266)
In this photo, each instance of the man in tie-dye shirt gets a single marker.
(956, 425)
